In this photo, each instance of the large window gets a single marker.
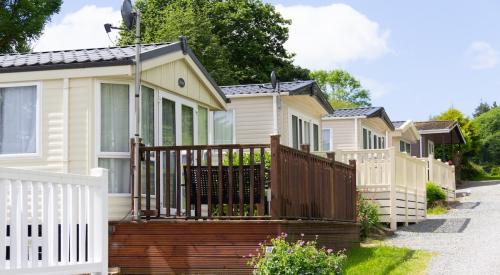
(18, 120)
(316, 137)
(147, 116)
(187, 125)
(327, 142)
(224, 127)
(295, 132)
(430, 148)
(114, 137)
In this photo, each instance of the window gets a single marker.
(168, 122)
(404, 147)
(187, 125)
(307, 132)
(327, 145)
(316, 137)
(365, 139)
(375, 143)
(295, 133)
(202, 125)
(301, 141)
(115, 133)
(18, 120)
(370, 140)
(383, 142)
(147, 116)
(224, 127)
(431, 148)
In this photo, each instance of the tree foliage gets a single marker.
(342, 89)
(238, 41)
(488, 125)
(22, 21)
(483, 108)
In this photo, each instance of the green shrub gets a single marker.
(246, 159)
(495, 171)
(434, 193)
(279, 256)
(368, 216)
(471, 171)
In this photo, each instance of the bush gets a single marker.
(279, 256)
(434, 194)
(368, 216)
(495, 171)
(471, 171)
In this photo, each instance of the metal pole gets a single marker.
(137, 139)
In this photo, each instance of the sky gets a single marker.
(417, 58)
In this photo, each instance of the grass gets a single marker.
(386, 260)
(437, 210)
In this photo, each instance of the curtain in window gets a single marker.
(147, 116)
(187, 126)
(365, 139)
(168, 122)
(114, 117)
(223, 127)
(18, 120)
(316, 137)
(118, 174)
(202, 125)
(326, 139)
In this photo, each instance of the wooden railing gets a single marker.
(279, 182)
(52, 223)
(442, 174)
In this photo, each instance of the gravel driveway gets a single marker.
(466, 239)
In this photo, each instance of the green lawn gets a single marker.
(487, 177)
(386, 260)
(437, 210)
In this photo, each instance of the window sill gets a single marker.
(20, 156)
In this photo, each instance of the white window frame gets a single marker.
(38, 126)
(405, 144)
(430, 145)
(179, 101)
(304, 118)
(330, 138)
(371, 134)
(113, 155)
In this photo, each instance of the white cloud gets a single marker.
(481, 55)
(377, 89)
(328, 36)
(81, 29)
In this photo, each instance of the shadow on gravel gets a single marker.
(469, 184)
(439, 226)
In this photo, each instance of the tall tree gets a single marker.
(22, 21)
(488, 125)
(342, 89)
(238, 41)
(481, 109)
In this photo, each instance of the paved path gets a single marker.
(467, 239)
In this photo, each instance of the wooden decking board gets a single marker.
(210, 247)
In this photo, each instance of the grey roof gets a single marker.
(96, 57)
(298, 87)
(367, 112)
(398, 124)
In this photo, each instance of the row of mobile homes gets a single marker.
(213, 168)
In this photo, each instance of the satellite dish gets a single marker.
(273, 79)
(128, 15)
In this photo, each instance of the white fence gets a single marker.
(395, 180)
(442, 174)
(53, 223)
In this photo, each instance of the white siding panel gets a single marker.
(253, 119)
(343, 133)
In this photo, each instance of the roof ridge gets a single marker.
(87, 49)
(358, 108)
(266, 83)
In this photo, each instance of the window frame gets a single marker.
(211, 125)
(38, 121)
(330, 139)
(373, 139)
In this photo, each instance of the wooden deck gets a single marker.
(210, 247)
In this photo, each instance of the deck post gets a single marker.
(276, 211)
(392, 190)
(333, 181)
(308, 182)
(354, 192)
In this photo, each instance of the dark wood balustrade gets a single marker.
(234, 182)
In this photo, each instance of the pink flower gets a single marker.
(301, 243)
(329, 251)
(302, 234)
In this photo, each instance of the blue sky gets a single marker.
(418, 57)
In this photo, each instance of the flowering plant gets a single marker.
(280, 256)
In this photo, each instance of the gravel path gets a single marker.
(466, 239)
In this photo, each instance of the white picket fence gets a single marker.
(394, 180)
(442, 174)
(52, 223)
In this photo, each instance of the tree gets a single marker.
(342, 89)
(463, 154)
(488, 125)
(238, 41)
(22, 21)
